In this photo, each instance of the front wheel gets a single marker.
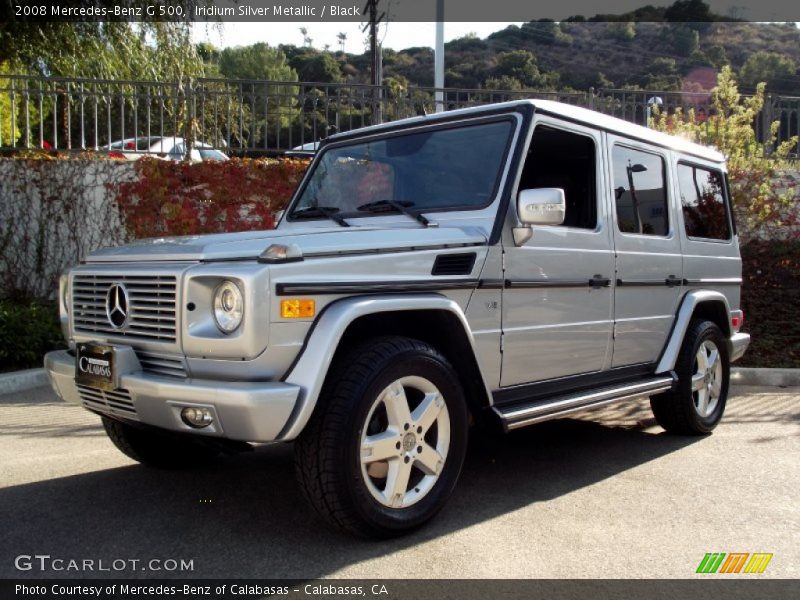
(696, 406)
(384, 449)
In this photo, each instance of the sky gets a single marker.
(394, 35)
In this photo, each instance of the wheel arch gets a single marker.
(706, 304)
(432, 318)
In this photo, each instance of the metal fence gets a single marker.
(248, 117)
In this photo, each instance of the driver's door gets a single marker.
(558, 298)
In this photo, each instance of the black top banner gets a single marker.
(309, 11)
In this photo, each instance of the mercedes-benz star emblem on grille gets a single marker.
(117, 306)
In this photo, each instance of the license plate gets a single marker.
(94, 366)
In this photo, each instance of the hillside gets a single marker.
(673, 48)
(604, 54)
(551, 56)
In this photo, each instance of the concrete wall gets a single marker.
(52, 214)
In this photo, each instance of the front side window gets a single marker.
(561, 159)
(640, 192)
(454, 168)
(705, 213)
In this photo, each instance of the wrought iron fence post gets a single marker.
(767, 114)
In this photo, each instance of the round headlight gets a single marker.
(228, 307)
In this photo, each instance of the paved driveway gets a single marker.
(602, 495)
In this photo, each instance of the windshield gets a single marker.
(454, 168)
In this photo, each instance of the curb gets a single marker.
(765, 377)
(17, 381)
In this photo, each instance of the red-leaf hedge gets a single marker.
(771, 274)
(175, 198)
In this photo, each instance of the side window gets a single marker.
(640, 192)
(560, 159)
(177, 151)
(705, 213)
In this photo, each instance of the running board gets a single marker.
(523, 414)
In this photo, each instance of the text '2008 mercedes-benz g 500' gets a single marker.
(516, 262)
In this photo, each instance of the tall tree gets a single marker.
(257, 61)
(150, 50)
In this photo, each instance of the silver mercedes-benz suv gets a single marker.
(509, 263)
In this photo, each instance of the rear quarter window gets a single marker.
(705, 211)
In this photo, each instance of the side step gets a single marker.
(523, 414)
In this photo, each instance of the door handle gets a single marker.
(673, 281)
(599, 281)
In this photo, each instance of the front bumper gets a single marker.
(739, 343)
(244, 411)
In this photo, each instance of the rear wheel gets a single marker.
(696, 406)
(384, 449)
(156, 449)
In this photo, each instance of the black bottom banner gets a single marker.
(400, 589)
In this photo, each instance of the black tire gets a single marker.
(156, 449)
(677, 411)
(328, 452)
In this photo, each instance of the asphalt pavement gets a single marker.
(605, 494)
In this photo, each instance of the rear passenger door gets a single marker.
(649, 264)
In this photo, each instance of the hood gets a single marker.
(316, 241)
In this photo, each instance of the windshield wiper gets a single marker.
(401, 207)
(316, 211)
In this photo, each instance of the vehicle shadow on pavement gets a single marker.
(243, 516)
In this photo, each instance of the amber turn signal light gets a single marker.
(297, 309)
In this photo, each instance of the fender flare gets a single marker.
(690, 301)
(311, 368)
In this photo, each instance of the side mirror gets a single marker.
(541, 206)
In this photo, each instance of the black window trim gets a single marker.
(725, 200)
(506, 115)
(671, 230)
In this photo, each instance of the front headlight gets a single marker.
(228, 307)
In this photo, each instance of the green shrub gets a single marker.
(27, 331)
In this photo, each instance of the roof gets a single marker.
(569, 112)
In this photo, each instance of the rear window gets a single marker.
(211, 154)
(705, 212)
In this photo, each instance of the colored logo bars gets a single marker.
(734, 562)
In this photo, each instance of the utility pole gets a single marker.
(438, 58)
(371, 9)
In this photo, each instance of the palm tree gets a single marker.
(304, 33)
(342, 39)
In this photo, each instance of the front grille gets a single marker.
(117, 402)
(162, 364)
(152, 306)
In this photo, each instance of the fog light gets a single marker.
(197, 417)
